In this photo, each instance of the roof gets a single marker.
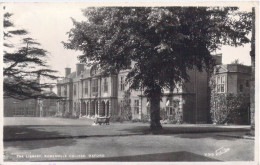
(49, 93)
(85, 73)
(233, 68)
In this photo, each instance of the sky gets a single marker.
(49, 22)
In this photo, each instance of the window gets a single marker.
(169, 107)
(105, 85)
(122, 83)
(74, 89)
(75, 106)
(86, 87)
(95, 85)
(52, 102)
(222, 87)
(148, 107)
(247, 83)
(94, 71)
(65, 90)
(241, 88)
(59, 91)
(136, 107)
(220, 84)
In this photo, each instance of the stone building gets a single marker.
(232, 78)
(231, 81)
(86, 92)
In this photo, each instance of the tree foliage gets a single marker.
(24, 64)
(162, 42)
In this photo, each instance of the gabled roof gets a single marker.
(221, 68)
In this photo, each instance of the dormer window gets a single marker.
(93, 71)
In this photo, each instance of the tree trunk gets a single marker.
(252, 83)
(155, 110)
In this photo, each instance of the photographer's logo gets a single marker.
(218, 152)
(221, 151)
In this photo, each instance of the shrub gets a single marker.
(67, 114)
(229, 108)
(125, 106)
(145, 118)
(58, 114)
(136, 120)
(74, 117)
(163, 114)
(115, 118)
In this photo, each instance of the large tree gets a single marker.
(24, 64)
(163, 42)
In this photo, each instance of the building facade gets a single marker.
(86, 92)
(232, 78)
(231, 86)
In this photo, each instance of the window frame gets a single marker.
(86, 86)
(105, 85)
(122, 83)
(95, 86)
(148, 108)
(169, 108)
(221, 84)
(65, 90)
(136, 106)
(75, 89)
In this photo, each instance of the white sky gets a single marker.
(49, 22)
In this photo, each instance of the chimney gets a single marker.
(218, 59)
(51, 87)
(67, 71)
(79, 68)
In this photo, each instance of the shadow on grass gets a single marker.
(31, 145)
(163, 157)
(27, 135)
(187, 132)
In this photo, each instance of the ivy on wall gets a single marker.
(228, 108)
(125, 106)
